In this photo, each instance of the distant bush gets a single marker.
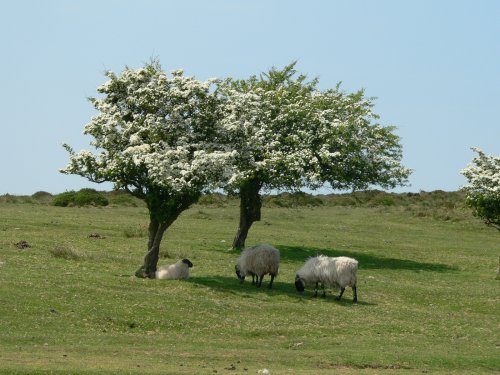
(298, 199)
(122, 198)
(376, 198)
(214, 199)
(7, 198)
(84, 197)
(41, 195)
(387, 201)
(64, 199)
(90, 197)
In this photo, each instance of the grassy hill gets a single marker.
(428, 298)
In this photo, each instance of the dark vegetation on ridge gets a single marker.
(367, 198)
(436, 204)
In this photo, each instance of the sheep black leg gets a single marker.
(355, 292)
(259, 281)
(271, 282)
(324, 291)
(342, 290)
(316, 290)
(253, 279)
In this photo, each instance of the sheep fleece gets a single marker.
(260, 260)
(331, 271)
(179, 270)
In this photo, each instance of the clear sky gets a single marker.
(433, 65)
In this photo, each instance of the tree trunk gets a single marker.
(250, 208)
(156, 231)
(164, 209)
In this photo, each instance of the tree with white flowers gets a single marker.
(483, 189)
(290, 135)
(158, 137)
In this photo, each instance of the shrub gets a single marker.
(7, 198)
(298, 199)
(123, 198)
(41, 195)
(84, 197)
(215, 199)
(90, 197)
(64, 199)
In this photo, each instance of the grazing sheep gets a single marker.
(329, 271)
(258, 261)
(179, 270)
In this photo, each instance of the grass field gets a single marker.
(428, 298)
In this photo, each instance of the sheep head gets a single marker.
(299, 284)
(188, 262)
(238, 274)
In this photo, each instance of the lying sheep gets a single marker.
(258, 261)
(328, 271)
(179, 270)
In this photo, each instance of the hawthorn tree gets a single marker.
(290, 135)
(483, 190)
(157, 137)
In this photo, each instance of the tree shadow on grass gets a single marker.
(366, 261)
(297, 255)
(232, 285)
(247, 290)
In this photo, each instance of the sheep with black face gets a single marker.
(179, 270)
(328, 271)
(258, 261)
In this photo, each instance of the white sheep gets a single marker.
(179, 270)
(258, 261)
(328, 271)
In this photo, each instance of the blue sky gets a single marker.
(434, 67)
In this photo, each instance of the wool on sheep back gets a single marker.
(258, 261)
(328, 271)
(179, 270)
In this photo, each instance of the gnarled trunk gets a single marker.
(156, 231)
(163, 211)
(250, 208)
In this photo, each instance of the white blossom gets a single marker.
(156, 130)
(483, 174)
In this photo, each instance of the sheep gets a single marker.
(179, 270)
(258, 261)
(329, 271)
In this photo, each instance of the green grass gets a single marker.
(428, 298)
